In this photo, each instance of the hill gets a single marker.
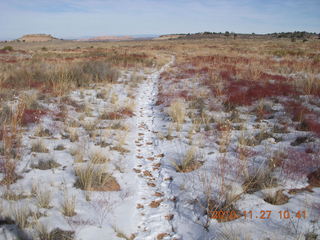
(37, 38)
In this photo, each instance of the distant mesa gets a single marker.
(107, 38)
(37, 38)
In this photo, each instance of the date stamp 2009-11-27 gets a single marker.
(261, 214)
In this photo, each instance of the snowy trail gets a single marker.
(155, 202)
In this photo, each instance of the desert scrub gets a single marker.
(43, 197)
(7, 48)
(40, 131)
(11, 195)
(97, 157)
(177, 111)
(43, 233)
(92, 178)
(275, 198)
(59, 77)
(9, 170)
(73, 134)
(45, 164)
(190, 161)
(69, 205)
(78, 154)
(89, 125)
(20, 213)
(262, 179)
(38, 146)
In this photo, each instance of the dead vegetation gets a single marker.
(190, 161)
(93, 178)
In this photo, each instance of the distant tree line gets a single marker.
(295, 34)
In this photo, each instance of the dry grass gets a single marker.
(97, 157)
(262, 179)
(10, 133)
(103, 93)
(59, 77)
(11, 195)
(121, 143)
(190, 162)
(73, 134)
(45, 164)
(89, 125)
(38, 146)
(40, 131)
(20, 213)
(228, 232)
(276, 197)
(224, 136)
(93, 178)
(78, 153)
(177, 112)
(309, 83)
(31, 100)
(43, 197)
(69, 205)
(44, 234)
(121, 234)
(9, 170)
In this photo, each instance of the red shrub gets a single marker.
(31, 116)
(298, 164)
(218, 59)
(113, 116)
(126, 112)
(203, 70)
(164, 76)
(164, 98)
(309, 150)
(244, 92)
(184, 94)
(267, 76)
(307, 118)
(11, 61)
(226, 75)
(123, 113)
(312, 125)
(297, 110)
(246, 152)
(159, 102)
(20, 51)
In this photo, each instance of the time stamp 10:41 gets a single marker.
(262, 214)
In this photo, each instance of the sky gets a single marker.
(84, 18)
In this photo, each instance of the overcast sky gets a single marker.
(78, 18)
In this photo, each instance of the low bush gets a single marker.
(7, 48)
(92, 178)
(190, 162)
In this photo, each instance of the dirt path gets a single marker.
(155, 204)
